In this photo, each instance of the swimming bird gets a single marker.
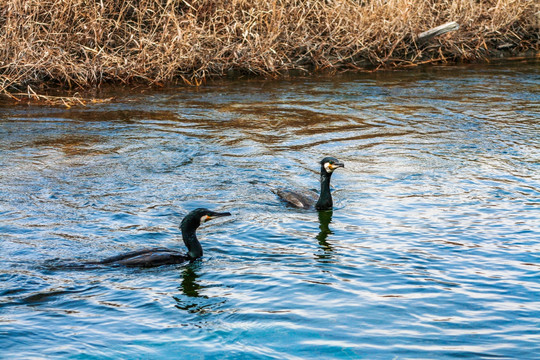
(164, 256)
(308, 200)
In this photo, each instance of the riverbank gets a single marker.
(80, 44)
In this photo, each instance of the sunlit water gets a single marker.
(432, 250)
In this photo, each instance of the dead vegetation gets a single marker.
(79, 44)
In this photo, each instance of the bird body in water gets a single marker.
(308, 200)
(164, 256)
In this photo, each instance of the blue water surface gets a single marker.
(432, 250)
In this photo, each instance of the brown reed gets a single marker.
(79, 44)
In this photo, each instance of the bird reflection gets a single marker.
(325, 218)
(190, 289)
(189, 299)
(189, 285)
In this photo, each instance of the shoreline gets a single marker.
(82, 46)
(57, 95)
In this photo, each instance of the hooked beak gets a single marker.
(214, 215)
(337, 165)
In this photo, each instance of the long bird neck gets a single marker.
(194, 246)
(325, 198)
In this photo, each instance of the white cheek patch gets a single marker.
(328, 167)
(204, 218)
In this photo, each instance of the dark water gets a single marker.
(432, 250)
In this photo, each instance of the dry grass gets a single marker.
(84, 43)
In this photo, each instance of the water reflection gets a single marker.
(189, 285)
(325, 218)
(190, 299)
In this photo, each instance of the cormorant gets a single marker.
(307, 200)
(164, 256)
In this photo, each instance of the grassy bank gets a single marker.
(82, 43)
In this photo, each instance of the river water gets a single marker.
(432, 250)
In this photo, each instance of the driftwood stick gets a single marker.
(439, 30)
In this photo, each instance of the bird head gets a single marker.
(198, 216)
(329, 164)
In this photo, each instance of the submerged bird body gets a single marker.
(301, 200)
(304, 200)
(164, 256)
(146, 258)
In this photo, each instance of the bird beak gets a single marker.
(337, 165)
(214, 215)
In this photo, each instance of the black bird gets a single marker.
(164, 256)
(308, 200)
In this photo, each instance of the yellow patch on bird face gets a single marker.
(205, 218)
(329, 167)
